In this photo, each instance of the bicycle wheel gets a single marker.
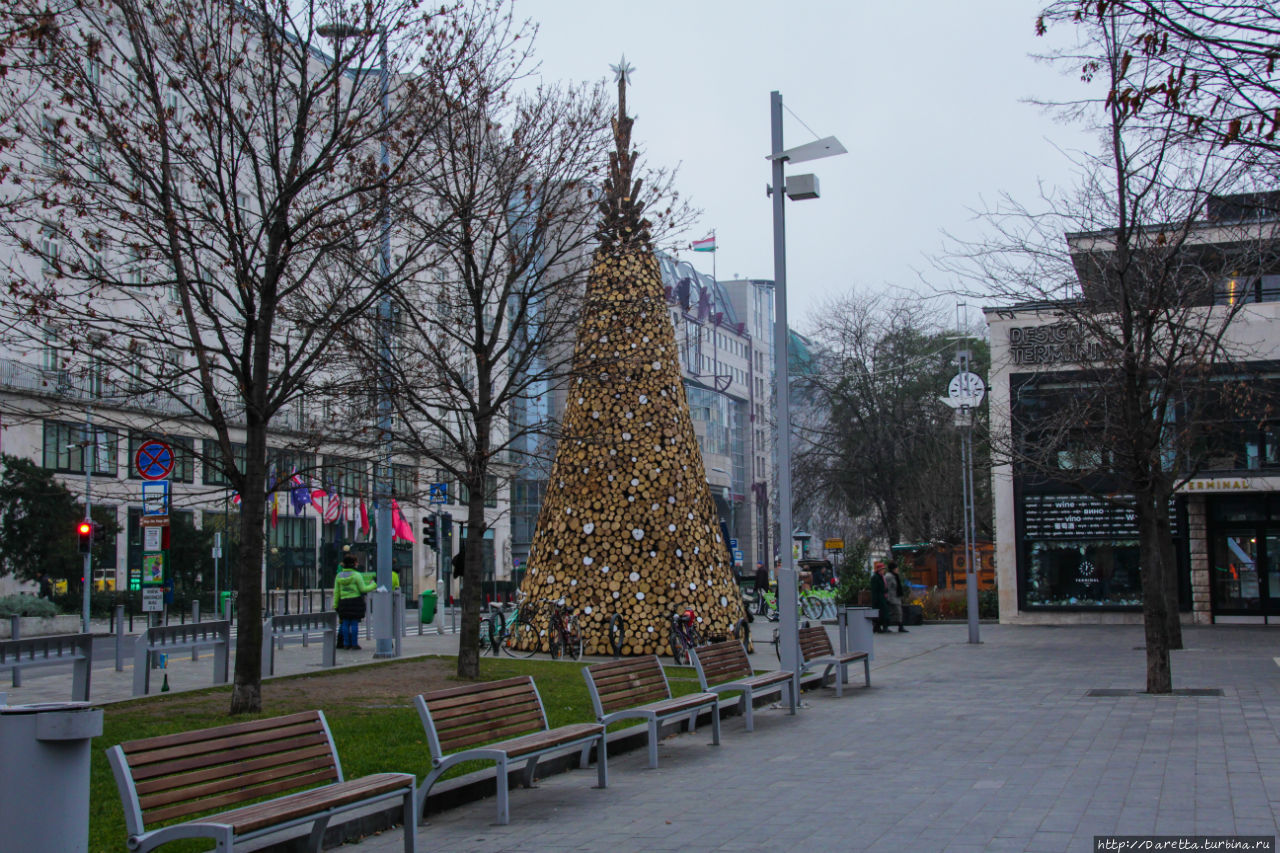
(616, 629)
(497, 629)
(573, 637)
(678, 653)
(777, 644)
(742, 633)
(555, 639)
(522, 638)
(812, 606)
(486, 628)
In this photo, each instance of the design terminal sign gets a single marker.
(1059, 343)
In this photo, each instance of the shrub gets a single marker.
(953, 604)
(26, 605)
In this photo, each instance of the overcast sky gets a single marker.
(928, 97)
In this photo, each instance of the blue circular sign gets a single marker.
(154, 460)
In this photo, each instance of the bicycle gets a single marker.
(683, 635)
(517, 636)
(810, 605)
(777, 640)
(563, 633)
(616, 632)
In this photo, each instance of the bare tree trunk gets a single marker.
(1154, 595)
(472, 580)
(246, 694)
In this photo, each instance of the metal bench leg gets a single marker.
(80, 680)
(747, 708)
(530, 766)
(504, 813)
(316, 839)
(585, 757)
(410, 825)
(602, 763)
(693, 721)
(420, 795)
(653, 744)
(226, 841)
(715, 724)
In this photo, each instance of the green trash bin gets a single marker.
(427, 611)
(223, 598)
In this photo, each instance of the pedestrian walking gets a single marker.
(895, 593)
(349, 588)
(45, 585)
(879, 599)
(762, 586)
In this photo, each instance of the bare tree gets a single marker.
(477, 349)
(195, 190)
(884, 443)
(1127, 266)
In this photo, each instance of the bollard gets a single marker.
(13, 635)
(195, 617)
(119, 615)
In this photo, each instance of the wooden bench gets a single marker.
(815, 651)
(637, 689)
(724, 668)
(184, 775)
(499, 721)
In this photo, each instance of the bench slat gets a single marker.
(235, 781)
(476, 692)
(202, 735)
(233, 769)
(485, 733)
(195, 756)
(262, 815)
(493, 711)
(192, 807)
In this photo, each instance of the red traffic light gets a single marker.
(85, 528)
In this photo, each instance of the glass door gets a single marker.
(1237, 586)
(1270, 577)
(1246, 573)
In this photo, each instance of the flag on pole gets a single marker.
(317, 497)
(275, 508)
(399, 527)
(364, 518)
(707, 245)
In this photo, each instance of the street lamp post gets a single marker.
(383, 627)
(806, 186)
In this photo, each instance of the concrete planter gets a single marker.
(39, 626)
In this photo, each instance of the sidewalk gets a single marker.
(955, 748)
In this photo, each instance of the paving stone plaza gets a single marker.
(955, 748)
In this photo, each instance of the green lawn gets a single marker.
(369, 710)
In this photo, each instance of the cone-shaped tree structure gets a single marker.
(628, 525)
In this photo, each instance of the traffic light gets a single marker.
(429, 532)
(99, 533)
(84, 530)
(446, 532)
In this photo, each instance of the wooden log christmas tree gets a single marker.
(628, 525)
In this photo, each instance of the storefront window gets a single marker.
(1084, 572)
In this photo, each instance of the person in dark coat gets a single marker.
(878, 599)
(896, 587)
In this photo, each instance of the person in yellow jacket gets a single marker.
(349, 588)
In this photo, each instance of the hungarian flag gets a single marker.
(275, 509)
(364, 518)
(707, 245)
(399, 527)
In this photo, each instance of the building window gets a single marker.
(50, 248)
(214, 470)
(66, 449)
(1083, 572)
(404, 481)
